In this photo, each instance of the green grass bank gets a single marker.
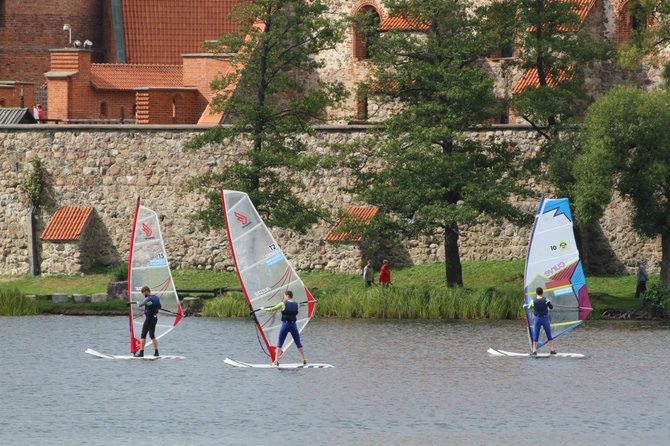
(493, 289)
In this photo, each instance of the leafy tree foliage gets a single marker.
(418, 166)
(554, 45)
(272, 98)
(626, 137)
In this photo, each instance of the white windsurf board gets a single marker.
(281, 366)
(148, 357)
(498, 352)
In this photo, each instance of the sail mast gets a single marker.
(134, 342)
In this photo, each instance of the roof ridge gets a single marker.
(128, 65)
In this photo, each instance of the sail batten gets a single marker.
(148, 266)
(262, 268)
(553, 263)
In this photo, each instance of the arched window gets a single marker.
(638, 19)
(362, 106)
(176, 100)
(631, 20)
(365, 32)
(103, 109)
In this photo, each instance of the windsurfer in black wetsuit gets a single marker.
(541, 306)
(152, 304)
(289, 313)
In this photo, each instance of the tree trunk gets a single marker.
(452, 257)
(665, 259)
(582, 239)
(32, 242)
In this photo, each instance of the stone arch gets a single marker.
(361, 40)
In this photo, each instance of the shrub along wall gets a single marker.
(108, 167)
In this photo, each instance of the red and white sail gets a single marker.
(148, 266)
(264, 272)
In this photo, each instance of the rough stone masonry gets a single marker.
(108, 167)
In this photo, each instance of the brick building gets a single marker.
(80, 90)
(146, 56)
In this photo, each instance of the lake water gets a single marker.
(395, 383)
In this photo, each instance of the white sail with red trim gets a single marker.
(148, 266)
(264, 272)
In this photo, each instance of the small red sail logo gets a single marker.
(146, 229)
(241, 218)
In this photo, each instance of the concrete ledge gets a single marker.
(81, 298)
(99, 297)
(58, 298)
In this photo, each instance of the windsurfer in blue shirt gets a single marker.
(151, 304)
(541, 306)
(289, 313)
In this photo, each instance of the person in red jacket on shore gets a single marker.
(385, 274)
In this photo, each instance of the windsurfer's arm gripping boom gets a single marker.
(279, 306)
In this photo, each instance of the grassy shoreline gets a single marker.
(493, 290)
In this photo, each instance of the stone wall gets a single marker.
(108, 167)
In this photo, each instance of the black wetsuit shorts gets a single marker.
(149, 326)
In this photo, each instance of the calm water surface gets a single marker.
(395, 383)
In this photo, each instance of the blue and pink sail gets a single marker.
(553, 264)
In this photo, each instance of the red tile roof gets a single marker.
(398, 22)
(129, 77)
(530, 77)
(583, 8)
(359, 216)
(160, 31)
(67, 223)
(580, 7)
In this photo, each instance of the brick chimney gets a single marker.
(70, 71)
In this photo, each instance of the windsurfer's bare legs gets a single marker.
(279, 352)
(551, 346)
(143, 342)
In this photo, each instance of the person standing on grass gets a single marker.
(151, 304)
(541, 306)
(385, 274)
(642, 278)
(289, 315)
(369, 274)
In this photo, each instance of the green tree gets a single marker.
(554, 48)
(626, 139)
(272, 98)
(418, 166)
(33, 186)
